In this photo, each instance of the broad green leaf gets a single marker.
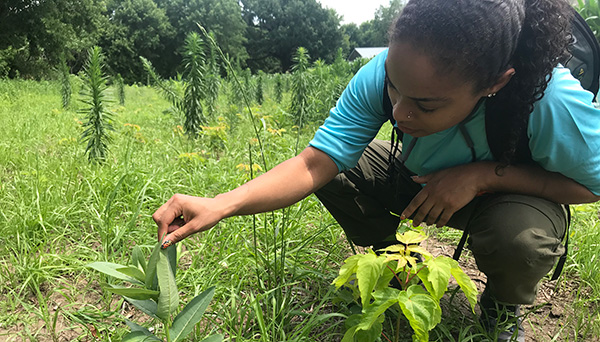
(151, 280)
(132, 292)
(372, 334)
(139, 336)
(349, 335)
(347, 270)
(386, 276)
(147, 306)
(137, 258)
(172, 256)
(368, 271)
(134, 272)
(110, 269)
(466, 284)
(168, 299)
(411, 237)
(383, 300)
(438, 275)
(213, 338)
(190, 315)
(422, 311)
(140, 329)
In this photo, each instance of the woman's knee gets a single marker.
(517, 231)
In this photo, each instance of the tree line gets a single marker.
(38, 36)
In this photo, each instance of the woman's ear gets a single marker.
(501, 82)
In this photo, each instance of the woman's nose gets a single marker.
(401, 112)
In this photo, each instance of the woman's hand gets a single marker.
(182, 216)
(445, 192)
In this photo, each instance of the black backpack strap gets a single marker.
(585, 50)
(563, 258)
(389, 110)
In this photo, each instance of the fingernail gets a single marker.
(402, 217)
(166, 244)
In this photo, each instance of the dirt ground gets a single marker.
(549, 319)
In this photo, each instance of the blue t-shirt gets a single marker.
(564, 129)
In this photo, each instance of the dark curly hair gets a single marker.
(478, 40)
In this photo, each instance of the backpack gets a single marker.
(584, 65)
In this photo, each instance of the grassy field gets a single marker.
(272, 271)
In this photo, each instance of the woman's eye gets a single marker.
(424, 110)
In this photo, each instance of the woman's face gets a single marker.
(425, 102)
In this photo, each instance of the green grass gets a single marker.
(272, 271)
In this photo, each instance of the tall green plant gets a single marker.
(301, 87)
(155, 294)
(120, 89)
(65, 82)
(260, 96)
(368, 275)
(195, 91)
(98, 117)
(278, 88)
(213, 79)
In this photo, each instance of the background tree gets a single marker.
(276, 28)
(221, 17)
(374, 33)
(135, 28)
(34, 35)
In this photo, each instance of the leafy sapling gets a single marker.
(369, 276)
(155, 293)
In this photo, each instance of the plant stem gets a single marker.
(414, 275)
(167, 331)
(395, 275)
(382, 334)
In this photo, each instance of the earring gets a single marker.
(491, 95)
(409, 115)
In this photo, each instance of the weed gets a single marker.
(98, 118)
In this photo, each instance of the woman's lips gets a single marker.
(406, 130)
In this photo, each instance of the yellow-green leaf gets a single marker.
(368, 271)
(383, 300)
(437, 274)
(418, 249)
(346, 271)
(422, 311)
(411, 237)
(394, 249)
(466, 284)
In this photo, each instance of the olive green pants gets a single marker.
(515, 239)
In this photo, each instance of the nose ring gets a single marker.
(409, 115)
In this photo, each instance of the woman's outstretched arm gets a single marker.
(284, 185)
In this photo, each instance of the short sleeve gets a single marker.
(564, 131)
(357, 117)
